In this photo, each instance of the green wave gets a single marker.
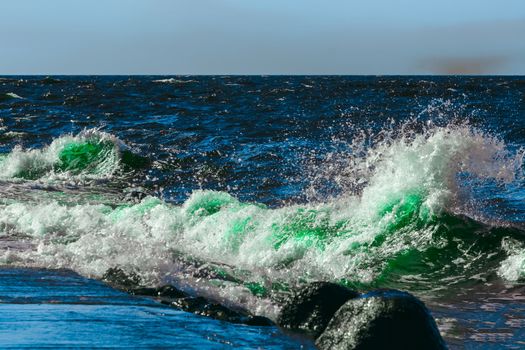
(289, 244)
(90, 154)
(401, 230)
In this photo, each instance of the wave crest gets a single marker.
(91, 154)
(405, 224)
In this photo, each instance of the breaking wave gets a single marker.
(90, 154)
(410, 221)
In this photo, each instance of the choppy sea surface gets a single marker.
(241, 189)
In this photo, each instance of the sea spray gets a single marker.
(513, 267)
(404, 224)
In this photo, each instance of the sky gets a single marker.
(262, 37)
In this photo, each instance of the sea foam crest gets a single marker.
(429, 164)
(91, 153)
(395, 225)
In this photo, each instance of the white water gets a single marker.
(41, 163)
(412, 180)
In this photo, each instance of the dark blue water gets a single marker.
(414, 183)
(229, 133)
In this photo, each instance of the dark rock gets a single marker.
(257, 321)
(385, 319)
(312, 307)
(167, 291)
(202, 306)
(149, 292)
(174, 297)
(117, 277)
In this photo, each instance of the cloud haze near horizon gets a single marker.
(262, 37)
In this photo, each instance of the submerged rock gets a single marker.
(172, 296)
(170, 291)
(120, 279)
(311, 308)
(384, 319)
(202, 306)
(167, 291)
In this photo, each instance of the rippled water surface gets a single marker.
(241, 189)
(57, 308)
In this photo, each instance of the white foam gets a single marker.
(174, 81)
(354, 236)
(13, 95)
(40, 163)
(513, 267)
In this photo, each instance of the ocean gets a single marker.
(241, 189)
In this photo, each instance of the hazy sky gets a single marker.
(262, 37)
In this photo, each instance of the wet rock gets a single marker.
(170, 295)
(167, 291)
(144, 291)
(120, 279)
(251, 320)
(170, 291)
(202, 306)
(311, 308)
(385, 319)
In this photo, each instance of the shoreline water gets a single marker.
(59, 308)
